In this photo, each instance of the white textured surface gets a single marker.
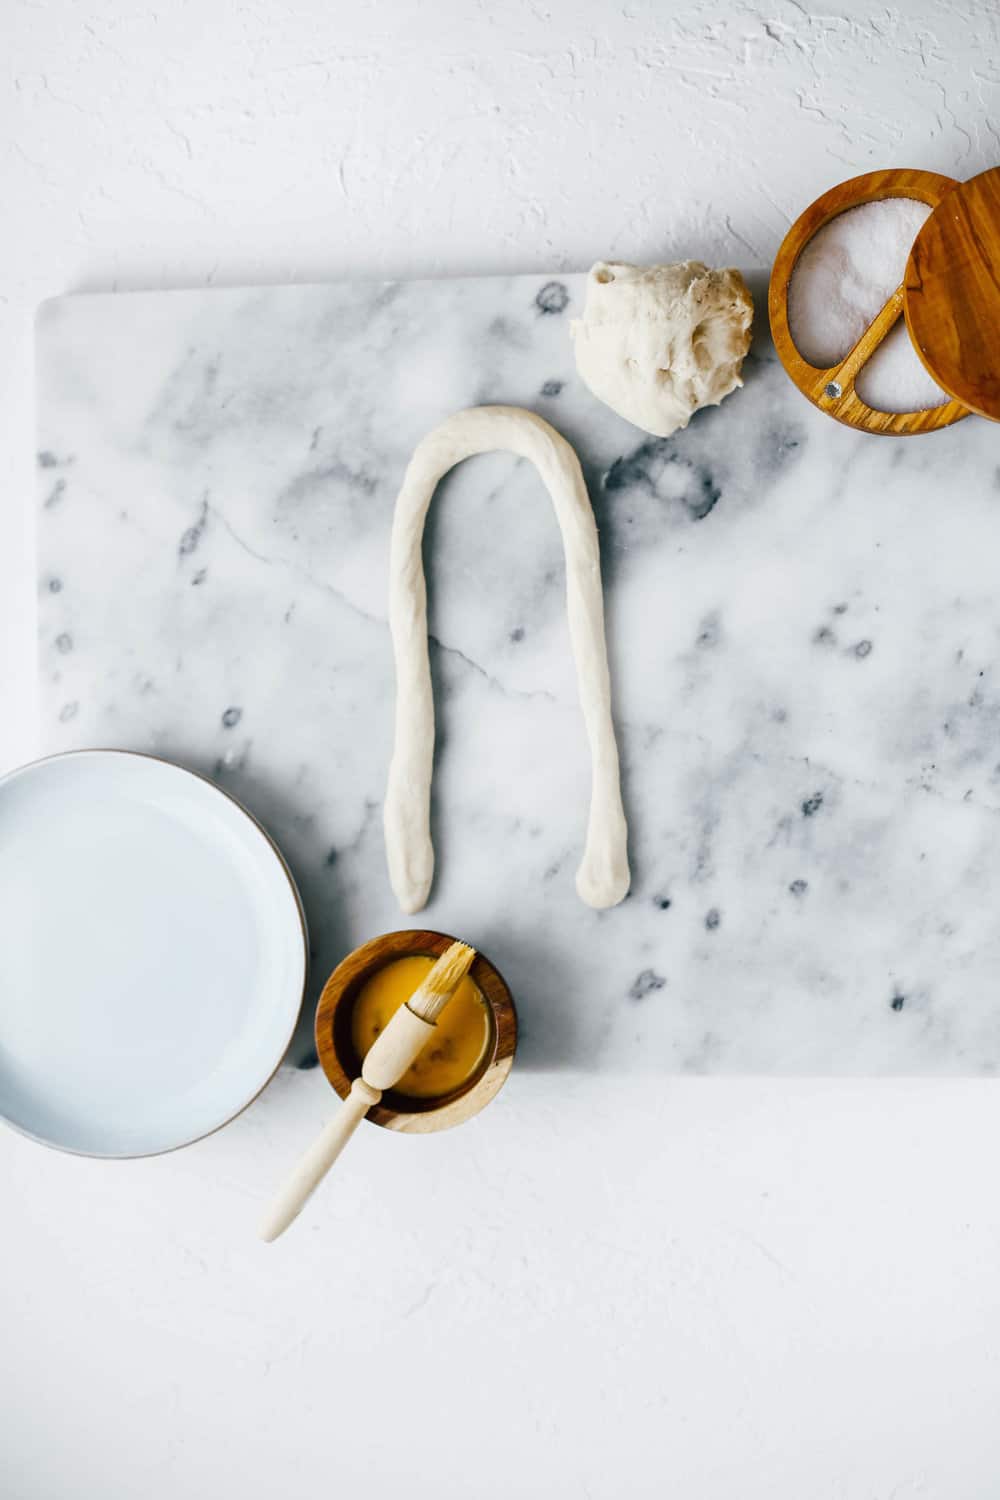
(720, 1289)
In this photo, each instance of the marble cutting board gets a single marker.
(803, 626)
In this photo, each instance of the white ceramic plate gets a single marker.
(152, 954)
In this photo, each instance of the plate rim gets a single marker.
(102, 752)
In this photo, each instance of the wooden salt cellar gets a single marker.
(832, 389)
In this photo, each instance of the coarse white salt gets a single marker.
(844, 276)
(894, 378)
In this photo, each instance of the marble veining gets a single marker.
(802, 626)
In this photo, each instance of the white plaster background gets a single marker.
(719, 1289)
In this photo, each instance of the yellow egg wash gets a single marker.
(461, 1035)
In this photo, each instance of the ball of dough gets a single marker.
(658, 342)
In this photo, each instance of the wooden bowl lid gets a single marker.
(832, 389)
(951, 295)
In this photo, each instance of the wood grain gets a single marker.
(832, 389)
(951, 295)
(339, 1058)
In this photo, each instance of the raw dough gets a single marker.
(603, 877)
(655, 343)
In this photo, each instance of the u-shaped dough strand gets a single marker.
(603, 877)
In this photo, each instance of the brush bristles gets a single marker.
(441, 983)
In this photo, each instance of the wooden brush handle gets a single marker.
(309, 1172)
(390, 1056)
(399, 1045)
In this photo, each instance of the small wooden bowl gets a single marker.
(339, 1058)
(832, 389)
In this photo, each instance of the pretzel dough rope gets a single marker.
(603, 877)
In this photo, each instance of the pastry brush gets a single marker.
(405, 1036)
